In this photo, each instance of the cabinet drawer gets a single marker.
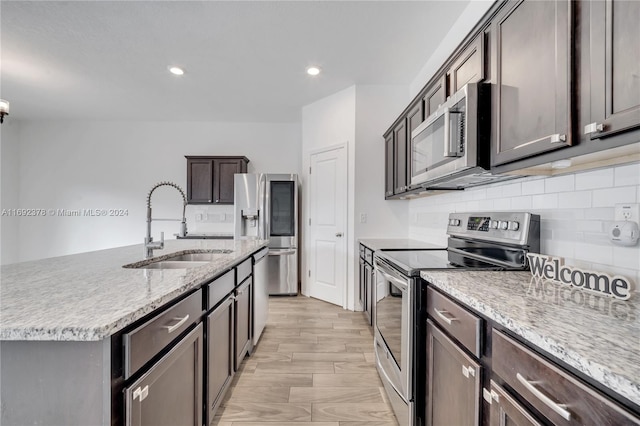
(368, 255)
(220, 287)
(555, 393)
(244, 270)
(143, 343)
(457, 321)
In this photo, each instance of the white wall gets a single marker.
(112, 165)
(9, 191)
(328, 122)
(359, 116)
(376, 108)
(576, 212)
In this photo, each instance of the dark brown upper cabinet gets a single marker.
(400, 145)
(415, 117)
(435, 95)
(532, 53)
(614, 68)
(469, 67)
(389, 168)
(210, 179)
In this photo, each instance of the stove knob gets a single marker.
(503, 225)
(450, 222)
(456, 222)
(514, 226)
(494, 224)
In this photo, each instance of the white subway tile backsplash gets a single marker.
(494, 191)
(486, 205)
(601, 213)
(559, 184)
(611, 196)
(573, 200)
(502, 204)
(594, 253)
(590, 226)
(546, 201)
(576, 212)
(627, 175)
(479, 194)
(626, 257)
(601, 178)
(512, 190)
(521, 203)
(533, 187)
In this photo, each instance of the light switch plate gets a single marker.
(363, 218)
(629, 212)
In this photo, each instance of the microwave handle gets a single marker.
(452, 137)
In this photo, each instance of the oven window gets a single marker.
(389, 320)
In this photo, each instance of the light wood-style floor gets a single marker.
(314, 366)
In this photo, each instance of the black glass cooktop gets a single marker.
(411, 262)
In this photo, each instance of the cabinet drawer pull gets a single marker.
(558, 408)
(558, 138)
(445, 318)
(174, 327)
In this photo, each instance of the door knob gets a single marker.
(339, 234)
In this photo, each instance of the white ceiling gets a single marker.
(244, 61)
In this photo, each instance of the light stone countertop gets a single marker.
(598, 336)
(90, 296)
(396, 243)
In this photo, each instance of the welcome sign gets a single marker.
(553, 269)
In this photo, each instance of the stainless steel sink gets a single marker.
(171, 264)
(199, 257)
(183, 261)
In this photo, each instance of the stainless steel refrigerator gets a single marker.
(266, 207)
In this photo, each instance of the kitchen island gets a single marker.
(58, 317)
(596, 338)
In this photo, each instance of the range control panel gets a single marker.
(506, 227)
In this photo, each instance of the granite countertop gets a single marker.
(397, 243)
(598, 336)
(90, 296)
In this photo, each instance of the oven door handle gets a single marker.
(397, 282)
(486, 259)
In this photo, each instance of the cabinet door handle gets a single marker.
(445, 318)
(593, 128)
(558, 138)
(141, 393)
(561, 409)
(174, 327)
(468, 371)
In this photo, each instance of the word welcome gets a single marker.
(553, 268)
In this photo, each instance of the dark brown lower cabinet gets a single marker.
(454, 385)
(507, 411)
(170, 393)
(242, 310)
(220, 359)
(559, 396)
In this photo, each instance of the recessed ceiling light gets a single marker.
(176, 70)
(313, 70)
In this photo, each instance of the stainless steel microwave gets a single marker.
(450, 150)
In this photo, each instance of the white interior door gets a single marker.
(327, 227)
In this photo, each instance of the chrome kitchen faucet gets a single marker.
(149, 244)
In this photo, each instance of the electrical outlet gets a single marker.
(629, 212)
(363, 218)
